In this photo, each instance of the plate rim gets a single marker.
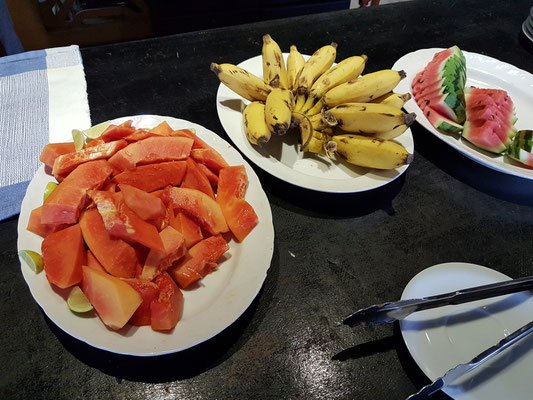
(267, 237)
(321, 184)
(477, 155)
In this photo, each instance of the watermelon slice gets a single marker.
(521, 149)
(490, 119)
(440, 85)
(440, 122)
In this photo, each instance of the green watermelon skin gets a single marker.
(521, 149)
(442, 123)
(490, 119)
(441, 83)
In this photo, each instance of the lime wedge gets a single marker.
(50, 186)
(77, 302)
(94, 132)
(79, 139)
(33, 259)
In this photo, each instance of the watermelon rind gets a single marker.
(521, 149)
(441, 123)
(441, 84)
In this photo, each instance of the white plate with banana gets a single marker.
(284, 111)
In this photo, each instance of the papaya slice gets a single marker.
(188, 228)
(116, 256)
(152, 150)
(159, 261)
(145, 205)
(149, 292)
(153, 176)
(200, 207)
(65, 202)
(210, 158)
(165, 312)
(62, 263)
(195, 179)
(53, 150)
(200, 260)
(36, 226)
(67, 162)
(121, 222)
(113, 299)
(239, 214)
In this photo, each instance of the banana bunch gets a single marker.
(335, 109)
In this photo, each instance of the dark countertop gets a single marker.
(333, 254)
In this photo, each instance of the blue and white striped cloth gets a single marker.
(43, 96)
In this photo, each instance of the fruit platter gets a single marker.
(287, 112)
(115, 222)
(480, 106)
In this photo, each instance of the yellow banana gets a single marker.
(318, 122)
(242, 82)
(393, 133)
(368, 152)
(364, 89)
(255, 126)
(295, 62)
(316, 109)
(299, 102)
(367, 117)
(305, 127)
(278, 110)
(316, 65)
(346, 70)
(393, 99)
(274, 71)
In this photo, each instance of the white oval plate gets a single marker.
(220, 299)
(483, 72)
(282, 159)
(441, 338)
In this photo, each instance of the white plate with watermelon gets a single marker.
(216, 303)
(482, 72)
(443, 337)
(282, 159)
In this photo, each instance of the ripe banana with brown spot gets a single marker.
(364, 88)
(274, 71)
(278, 110)
(295, 62)
(317, 143)
(318, 122)
(367, 117)
(242, 82)
(393, 99)
(305, 127)
(344, 71)
(255, 126)
(368, 152)
(316, 65)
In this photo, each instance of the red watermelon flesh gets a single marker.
(484, 135)
(440, 122)
(489, 113)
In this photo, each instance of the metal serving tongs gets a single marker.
(393, 311)
(462, 369)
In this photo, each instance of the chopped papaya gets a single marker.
(121, 222)
(149, 292)
(36, 226)
(113, 299)
(238, 213)
(199, 260)
(62, 263)
(195, 179)
(166, 310)
(53, 150)
(145, 205)
(210, 158)
(67, 162)
(93, 263)
(162, 129)
(116, 256)
(190, 230)
(153, 176)
(65, 202)
(211, 176)
(200, 207)
(152, 150)
(159, 261)
(115, 132)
